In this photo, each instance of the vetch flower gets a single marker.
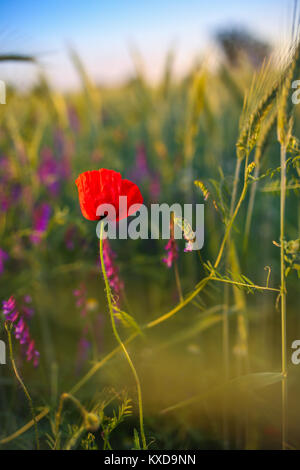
(141, 169)
(9, 309)
(10, 188)
(49, 172)
(154, 187)
(171, 247)
(20, 329)
(27, 310)
(41, 218)
(81, 299)
(70, 236)
(141, 172)
(32, 353)
(105, 187)
(172, 252)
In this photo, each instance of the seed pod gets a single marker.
(92, 422)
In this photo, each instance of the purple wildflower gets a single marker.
(141, 164)
(84, 346)
(81, 301)
(172, 252)
(16, 192)
(9, 309)
(3, 257)
(26, 309)
(142, 172)
(10, 191)
(32, 354)
(41, 219)
(154, 187)
(4, 201)
(141, 169)
(48, 172)
(71, 237)
(21, 330)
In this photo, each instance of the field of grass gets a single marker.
(210, 336)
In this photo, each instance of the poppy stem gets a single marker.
(118, 338)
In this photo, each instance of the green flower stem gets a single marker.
(178, 283)
(225, 325)
(176, 271)
(117, 336)
(11, 355)
(234, 214)
(283, 296)
(71, 443)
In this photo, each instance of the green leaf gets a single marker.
(137, 445)
(253, 382)
(128, 321)
(246, 383)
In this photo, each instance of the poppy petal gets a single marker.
(105, 187)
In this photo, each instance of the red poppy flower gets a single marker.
(105, 187)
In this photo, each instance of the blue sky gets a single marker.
(102, 31)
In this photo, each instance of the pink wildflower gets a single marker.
(20, 330)
(172, 252)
